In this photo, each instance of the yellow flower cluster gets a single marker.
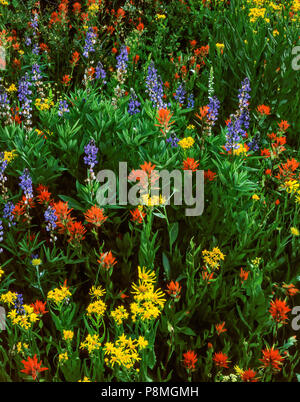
(148, 302)
(21, 347)
(256, 13)
(1, 272)
(91, 343)
(98, 308)
(295, 231)
(59, 295)
(220, 46)
(119, 314)
(9, 298)
(190, 127)
(124, 351)
(153, 201)
(93, 9)
(242, 149)
(62, 357)
(43, 104)
(9, 155)
(160, 16)
(97, 292)
(213, 258)
(4, 3)
(291, 186)
(68, 335)
(256, 261)
(24, 319)
(12, 88)
(186, 143)
(85, 379)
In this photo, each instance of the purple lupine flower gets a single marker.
(18, 306)
(24, 88)
(134, 104)
(173, 140)
(90, 40)
(36, 49)
(155, 88)
(254, 143)
(36, 72)
(122, 59)
(240, 120)
(3, 165)
(91, 154)
(190, 102)
(7, 213)
(180, 94)
(1, 235)
(100, 72)
(63, 107)
(28, 41)
(50, 218)
(26, 184)
(213, 109)
(34, 22)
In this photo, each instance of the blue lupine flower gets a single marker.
(23, 88)
(155, 88)
(7, 213)
(240, 120)
(34, 22)
(213, 109)
(122, 59)
(19, 304)
(254, 143)
(134, 104)
(100, 72)
(26, 184)
(63, 107)
(180, 94)
(50, 218)
(90, 40)
(27, 41)
(1, 235)
(90, 154)
(36, 49)
(173, 140)
(190, 102)
(36, 73)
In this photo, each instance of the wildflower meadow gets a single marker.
(149, 191)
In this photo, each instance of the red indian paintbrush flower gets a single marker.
(271, 358)
(174, 289)
(107, 260)
(76, 231)
(291, 290)
(244, 275)
(190, 360)
(279, 310)
(164, 117)
(39, 307)
(137, 215)
(249, 376)
(95, 216)
(32, 367)
(221, 328)
(263, 109)
(190, 164)
(221, 359)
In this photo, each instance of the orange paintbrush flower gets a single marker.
(95, 216)
(271, 358)
(190, 360)
(190, 164)
(32, 367)
(221, 328)
(107, 260)
(249, 376)
(164, 117)
(221, 360)
(279, 310)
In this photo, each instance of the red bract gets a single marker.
(190, 360)
(32, 367)
(271, 358)
(279, 310)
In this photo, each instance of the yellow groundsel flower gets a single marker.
(43, 104)
(291, 186)
(68, 335)
(58, 295)
(21, 346)
(1, 272)
(220, 46)
(295, 231)
(98, 308)
(119, 314)
(91, 343)
(85, 379)
(9, 155)
(186, 143)
(12, 88)
(97, 292)
(62, 357)
(36, 262)
(146, 276)
(9, 298)
(190, 127)
(160, 16)
(238, 370)
(256, 261)
(142, 342)
(123, 352)
(255, 197)
(213, 258)
(242, 149)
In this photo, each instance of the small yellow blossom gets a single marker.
(255, 197)
(68, 335)
(186, 143)
(294, 231)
